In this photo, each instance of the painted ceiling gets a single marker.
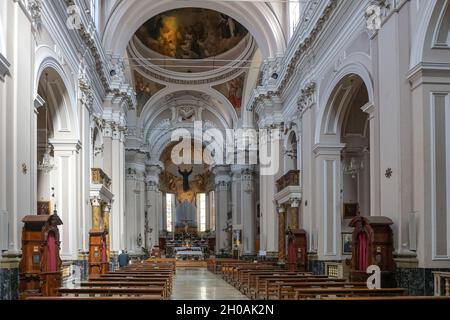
(191, 33)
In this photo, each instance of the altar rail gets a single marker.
(439, 279)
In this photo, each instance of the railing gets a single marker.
(98, 176)
(292, 178)
(441, 288)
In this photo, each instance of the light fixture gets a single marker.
(275, 75)
(353, 167)
(46, 165)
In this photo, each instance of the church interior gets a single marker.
(224, 150)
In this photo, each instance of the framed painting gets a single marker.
(44, 208)
(350, 210)
(347, 243)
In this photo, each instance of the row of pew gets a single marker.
(268, 281)
(139, 281)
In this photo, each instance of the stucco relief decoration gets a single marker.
(186, 113)
(35, 9)
(307, 97)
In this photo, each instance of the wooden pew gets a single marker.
(270, 289)
(127, 284)
(288, 291)
(72, 298)
(114, 291)
(308, 293)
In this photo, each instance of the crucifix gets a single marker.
(185, 174)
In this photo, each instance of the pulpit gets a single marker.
(372, 244)
(297, 251)
(40, 267)
(98, 262)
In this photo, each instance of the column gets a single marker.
(131, 202)
(328, 200)
(222, 184)
(153, 202)
(96, 214)
(369, 108)
(18, 122)
(281, 234)
(105, 216)
(248, 210)
(65, 182)
(114, 167)
(271, 141)
(294, 215)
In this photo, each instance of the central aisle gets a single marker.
(200, 284)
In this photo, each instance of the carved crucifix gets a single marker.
(185, 174)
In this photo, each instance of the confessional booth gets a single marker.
(372, 244)
(40, 268)
(297, 254)
(98, 253)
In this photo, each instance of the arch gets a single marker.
(46, 60)
(292, 148)
(326, 103)
(257, 17)
(425, 33)
(61, 108)
(158, 103)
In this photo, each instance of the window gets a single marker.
(201, 211)
(170, 206)
(212, 211)
(294, 9)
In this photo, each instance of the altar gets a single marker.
(189, 253)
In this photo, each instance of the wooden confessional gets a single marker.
(40, 267)
(372, 244)
(98, 261)
(297, 251)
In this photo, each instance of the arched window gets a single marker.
(294, 12)
(212, 211)
(170, 211)
(201, 211)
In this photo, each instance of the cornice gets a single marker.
(291, 59)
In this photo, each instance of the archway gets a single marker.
(262, 23)
(57, 150)
(343, 159)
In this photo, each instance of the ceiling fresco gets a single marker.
(191, 33)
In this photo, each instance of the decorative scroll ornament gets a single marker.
(307, 97)
(35, 9)
(87, 97)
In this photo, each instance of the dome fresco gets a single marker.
(191, 33)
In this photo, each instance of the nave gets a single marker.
(201, 284)
(311, 136)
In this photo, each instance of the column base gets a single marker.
(418, 281)
(9, 275)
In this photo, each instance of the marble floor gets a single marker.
(200, 284)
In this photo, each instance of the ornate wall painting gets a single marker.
(145, 89)
(191, 33)
(233, 91)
